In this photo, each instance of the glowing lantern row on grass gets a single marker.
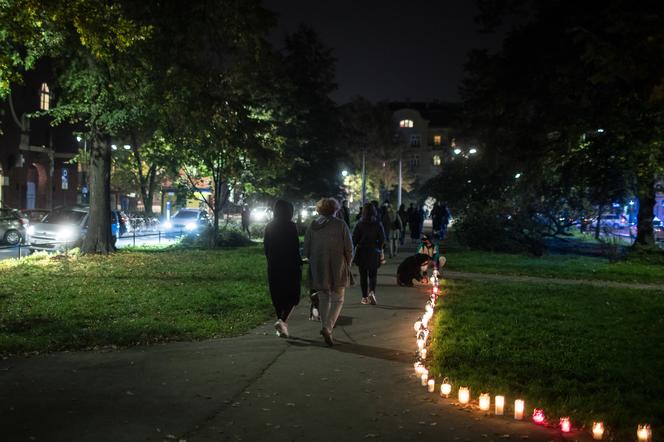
(643, 433)
(417, 326)
(519, 406)
(598, 430)
(445, 388)
(485, 401)
(431, 386)
(419, 369)
(538, 416)
(500, 405)
(464, 395)
(428, 308)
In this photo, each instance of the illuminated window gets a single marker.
(406, 123)
(415, 140)
(436, 160)
(44, 97)
(437, 139)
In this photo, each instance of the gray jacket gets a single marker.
(329, 247)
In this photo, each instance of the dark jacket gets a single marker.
(369, 238)
(282, 249)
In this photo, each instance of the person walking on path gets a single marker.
(403, 215)
(444, 221)
(436, 219)
(415, 225)
(344, 213)
(387, 217)
(245, 217)
(329, 247)
(369, 237)
(284, 264)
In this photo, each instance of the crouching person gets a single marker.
(411, 268)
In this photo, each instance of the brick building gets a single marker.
(34, 157)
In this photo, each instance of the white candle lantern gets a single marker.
(598, 430)
(420, 344)
(445, 388)
(464, 395)
(500, 405)
(423, 353)
(565, 425)
(424, 377)
(519, 406)
(485, 402)
(432, 385)
(419, 367)
(644, 433)
(417, 326)
(435, 289)
(428, 308)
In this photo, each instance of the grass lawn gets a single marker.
(132, 297)
(560, 266)
(590, 353)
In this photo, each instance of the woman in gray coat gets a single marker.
(329, 247)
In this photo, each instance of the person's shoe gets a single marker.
(282, 328)
(365, 301)
(327, 336)
(372, 298)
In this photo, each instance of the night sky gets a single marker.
(390, 50)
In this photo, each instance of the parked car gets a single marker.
(188, 221)
(65, 228)
(261, 214)
(34, 215)
(12, 226)
(611, 220)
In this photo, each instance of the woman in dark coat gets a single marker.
(284, 264)
(369, 237)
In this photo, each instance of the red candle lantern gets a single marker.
(565, 425)
(538, 416)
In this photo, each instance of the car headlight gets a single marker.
(190, 226)
(168, 225)
(30, 230)
(66, 234)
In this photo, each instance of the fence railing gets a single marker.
(22, 250)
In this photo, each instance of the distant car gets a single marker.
(610, 220)
(188, 221)
(308, 212)
(261, 214)
(12, 226)
(65, 228)
(657, 227)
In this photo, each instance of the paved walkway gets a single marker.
(256, 387)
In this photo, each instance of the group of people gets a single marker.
(331, 249)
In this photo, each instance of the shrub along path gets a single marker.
(252, 387)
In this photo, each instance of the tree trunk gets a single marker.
(600, 209)
(98, 238)
(645, 235)
(147, 191)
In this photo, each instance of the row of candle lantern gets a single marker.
(643, 433)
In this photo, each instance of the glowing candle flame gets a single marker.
(565, 425)
(445, 388)
(598, 430)
(485, 401)
(519, 406)
(500, 405)
(538, 416)
(643, 433)
(431, 385)
(464, 395)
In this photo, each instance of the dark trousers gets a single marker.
(368, 278)
(282, 308)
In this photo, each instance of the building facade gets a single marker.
(428, 134)
(35, 158)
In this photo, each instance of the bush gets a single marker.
(489, 227)
(227, 237)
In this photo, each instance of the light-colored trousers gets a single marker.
(331, 302)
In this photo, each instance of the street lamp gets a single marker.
(344, 173)
(517, 175)
(126, 147)
(114, 147)
(457, 151)
(472, 151)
